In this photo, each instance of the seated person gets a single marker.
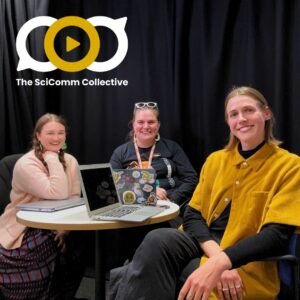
(244, 209)
(146, 149)
(35, 263)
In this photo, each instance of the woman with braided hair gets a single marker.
(35, 263)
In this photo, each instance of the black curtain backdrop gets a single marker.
(185, 55)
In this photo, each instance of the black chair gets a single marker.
(6, 169)
(289, 271)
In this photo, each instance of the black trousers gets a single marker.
(124, 242)
(163, 260)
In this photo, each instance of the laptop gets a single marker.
(136, 186)
(102, 199)
(51, 205)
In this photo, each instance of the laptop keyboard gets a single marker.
(119, 211)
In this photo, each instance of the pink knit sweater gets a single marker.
(31, 182)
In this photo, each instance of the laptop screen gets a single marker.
(98, 186)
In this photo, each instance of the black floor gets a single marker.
(87, 288)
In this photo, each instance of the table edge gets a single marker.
(97, 225)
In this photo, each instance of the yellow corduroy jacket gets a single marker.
(262, 189)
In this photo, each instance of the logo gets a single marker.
(88, 61)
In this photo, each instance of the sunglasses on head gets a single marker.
(145, 104)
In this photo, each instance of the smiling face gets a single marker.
(52, 136)
(246, 119)
(145, 126)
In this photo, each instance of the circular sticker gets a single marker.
(129, 197)
(136, 174)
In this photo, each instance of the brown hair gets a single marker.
(36, 145)
(263, 104)
(154, 109)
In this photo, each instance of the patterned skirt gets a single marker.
(35, 270)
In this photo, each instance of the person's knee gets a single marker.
(160, 237)
(156, 246)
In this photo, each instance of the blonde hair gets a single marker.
(263, 104)
(36, 145)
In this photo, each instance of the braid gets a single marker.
(61, 156)
(39, 154)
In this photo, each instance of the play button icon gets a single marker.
(65, 59)
(71, 44)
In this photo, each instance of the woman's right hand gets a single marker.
(60, 237)
(230, 286)
(161, 193)
(202, 281)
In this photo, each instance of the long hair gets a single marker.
(36, 145)
(256, 95)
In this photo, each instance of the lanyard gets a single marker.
(138, 155)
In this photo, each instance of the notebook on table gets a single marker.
(102, 199)
(51, 205)
(136, 186)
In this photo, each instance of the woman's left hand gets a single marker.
(60, 236)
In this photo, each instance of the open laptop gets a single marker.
(102, 199)
(51, 205)
(136, 186)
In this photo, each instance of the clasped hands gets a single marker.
(213, 273)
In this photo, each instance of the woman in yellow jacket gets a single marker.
(244, 209)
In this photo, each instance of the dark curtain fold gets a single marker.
(19, 107)
(185, 55)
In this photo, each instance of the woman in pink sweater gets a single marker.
(30, 259)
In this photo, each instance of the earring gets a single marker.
(64, 146)
(157, 138)
(41, 146)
